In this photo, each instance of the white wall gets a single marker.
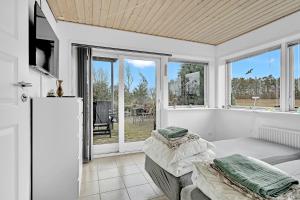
(245, 123)
(197, 120)
(236, 123)
(41, 83)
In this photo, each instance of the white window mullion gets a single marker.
(284, 80)
(228, 84)
(206, 86)
(291, 66)
(121, 104)
(164, 91)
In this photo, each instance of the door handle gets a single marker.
(24, 97)
(23, 84)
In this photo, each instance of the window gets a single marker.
(255, 80)
(186, 81)
(294, 62)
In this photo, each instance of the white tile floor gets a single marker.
(118, 178)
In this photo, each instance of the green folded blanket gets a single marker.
(172, 132)
(256, 176)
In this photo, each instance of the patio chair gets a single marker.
(148, 113)
(101, 118)
(137, 115)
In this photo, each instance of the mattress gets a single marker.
(291, 167)
(168, 183)
(178, 161)
(191, 192)
(271, 153)
(268, 152)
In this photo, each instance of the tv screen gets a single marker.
(43, 43)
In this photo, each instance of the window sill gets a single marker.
(262, 111)
(187, 108)
(257, 111)
(257, 108)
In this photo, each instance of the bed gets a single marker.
(269, 152)
(191, 192)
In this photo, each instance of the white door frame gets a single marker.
(14, 113)
(122, 146)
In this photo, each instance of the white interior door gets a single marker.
(14, 114)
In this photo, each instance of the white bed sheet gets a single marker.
(291, 167)
(179, 161)
(269, 152)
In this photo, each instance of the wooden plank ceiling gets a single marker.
(206, 21)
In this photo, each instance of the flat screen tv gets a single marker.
(43, 44)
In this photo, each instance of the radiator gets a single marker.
(280, 135)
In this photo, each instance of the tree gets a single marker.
(297, 88)
(129, 78)
(101, 89)
(267, 87)
(140, 93)
(152, 94)
(128, 83)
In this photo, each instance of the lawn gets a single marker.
(261, 102)
(134, 131)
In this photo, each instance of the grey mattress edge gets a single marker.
(168, 183)
(172, 186)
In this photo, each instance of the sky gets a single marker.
(297, 60)
(262, 65)
(147, 68)
(173, 70)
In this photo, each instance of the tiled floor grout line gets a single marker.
(150, 185)
(127, 192)
(121, 176)
(117, 165)
(99, 195)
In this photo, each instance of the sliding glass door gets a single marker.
(105, 81)
(139, 99)
(125, 94)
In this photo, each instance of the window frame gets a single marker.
(228, 78)
(291, 76)
(206, 81)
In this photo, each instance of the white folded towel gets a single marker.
(178, 161)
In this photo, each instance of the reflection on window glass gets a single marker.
(255, 81)
(186, 83)
(294, 52)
